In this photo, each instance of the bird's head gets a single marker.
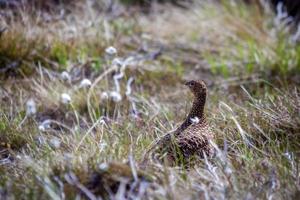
(198, 88)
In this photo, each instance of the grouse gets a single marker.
(192, 138)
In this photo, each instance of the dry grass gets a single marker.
(91, 145)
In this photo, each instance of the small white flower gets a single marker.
(85, 83)
(195, 120)
(55, 142)
(65, 76)
(115, 96)
(117, 62)
(44, 125)
(30, 107)
(65, 98)
(104, 96)
(111, 51)
(103, 166)
(42, 128)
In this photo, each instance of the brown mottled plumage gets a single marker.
(192, 137)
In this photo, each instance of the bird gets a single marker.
(192, 139)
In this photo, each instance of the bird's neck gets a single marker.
(197, 110)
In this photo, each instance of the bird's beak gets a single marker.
(185, 83)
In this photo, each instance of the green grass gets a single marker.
(252, 106)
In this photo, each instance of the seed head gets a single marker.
(103, 166)
(85, 83)
(65, 98)
(65, 76)
(111, 51)
(115, 96)
(104, 96)
(44, 125)
(30, 107)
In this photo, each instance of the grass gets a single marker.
(93, 145)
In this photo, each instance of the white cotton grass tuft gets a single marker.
(103, 166)
(30, 107)
(44, 125)
(111, 51)
(104, 96)
(85, 83)
(115, 96)
(195, 120)
(42, 128)
(65, 98)
(65, 76)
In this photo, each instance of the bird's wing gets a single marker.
(195, 139)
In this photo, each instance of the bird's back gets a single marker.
(195, 140)
(179, 145)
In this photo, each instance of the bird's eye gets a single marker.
(191, 83)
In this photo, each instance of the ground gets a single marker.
(62, 137)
